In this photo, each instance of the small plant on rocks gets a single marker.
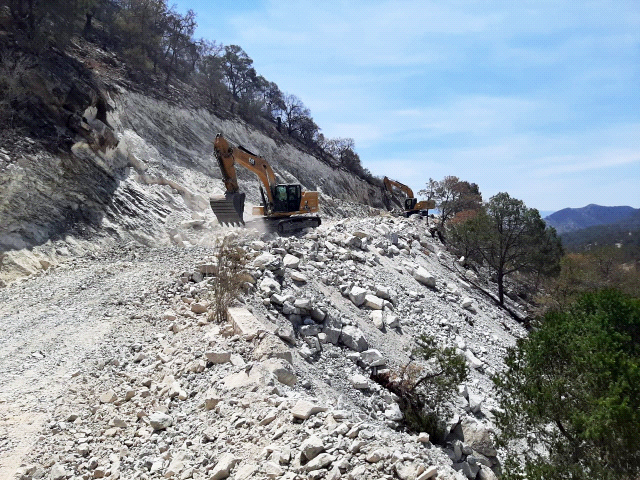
(424, 389)
(229, 279)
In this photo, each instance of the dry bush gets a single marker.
(230, 277)
(11, 88)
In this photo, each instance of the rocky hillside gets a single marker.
(95, 155)
(112, 363)
(572, 219)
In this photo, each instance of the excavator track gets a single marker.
(294, 224)
(228, 208)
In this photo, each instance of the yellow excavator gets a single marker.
(285, 206)
(411, 204)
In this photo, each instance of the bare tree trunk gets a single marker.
(87, 25)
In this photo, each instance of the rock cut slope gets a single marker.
(96, 157)
(282, 391)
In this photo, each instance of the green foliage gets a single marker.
(508, 237)
(573, 388)
(40, 23)
(596, 269)
(424, 388)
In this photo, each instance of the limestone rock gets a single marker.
(322, 461)
(424, 277)
(377, 317)
(486, 473)
(373, 302)
(273, 347)
(281, 369)
(359, 381)
(373, 358)
(392, 321)
(223, 468)
(211, 399)
(218, 357)
(478, 437)
(198, 307)
(353, 338)
(268, 261)
(244, 322)
(357, 295)
(299, 277)
(160, 421)
(291, 261)
(430, 472)
(467, 303)
(312, 447)
(269, 285)
(303, 409)
(58, 472)
(108, 397)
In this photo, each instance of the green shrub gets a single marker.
(424, 389)
(571, 393)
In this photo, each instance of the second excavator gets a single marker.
(285, 206)
(411, 204)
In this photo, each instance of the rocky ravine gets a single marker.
(111, 369)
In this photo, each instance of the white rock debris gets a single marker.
(144, 385)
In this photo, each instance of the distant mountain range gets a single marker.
(584, 228)
(573, 219)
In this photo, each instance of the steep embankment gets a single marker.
(98, 158)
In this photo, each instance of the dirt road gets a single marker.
(51, 324)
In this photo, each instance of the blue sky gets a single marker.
(540, 99)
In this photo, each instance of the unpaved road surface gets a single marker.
(51, 324)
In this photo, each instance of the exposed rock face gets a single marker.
(130, 166)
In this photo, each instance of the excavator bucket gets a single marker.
(228, 208)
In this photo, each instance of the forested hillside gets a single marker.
(151, 45)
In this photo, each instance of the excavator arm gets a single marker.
(390, 184)
(228, 156)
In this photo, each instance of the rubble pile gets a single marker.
(283, 390)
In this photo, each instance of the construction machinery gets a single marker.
(285, 206)
(411, 204)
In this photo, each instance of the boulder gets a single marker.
(303, 409)
(312, 447)
(160, 421)
(424, 277)
(478, 437)
(377, 317)
(353, 338)
(357, 295)
(373, 358)
(359, 381)
(268, 261)
(291, 261)
(373, 302)
(223, 468)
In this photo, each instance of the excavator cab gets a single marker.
(410, 203)
(286, 198)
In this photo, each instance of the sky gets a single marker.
(540, 99)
